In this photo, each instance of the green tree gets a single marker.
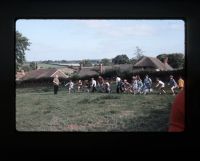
(105, 62)
(22, 44)
(33, 65)
(176, 60)
(120, 59)
(86, 63)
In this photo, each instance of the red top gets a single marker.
(177, 117)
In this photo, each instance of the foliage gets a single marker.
(22, 44)
(33, 65)
(176, 60)
(26, 68)
(120, 59)
(105, 62)
(138, 53)
(86, 63)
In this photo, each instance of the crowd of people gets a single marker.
(135, 86)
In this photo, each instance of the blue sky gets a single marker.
(97, 39)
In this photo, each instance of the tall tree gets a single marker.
(176, 60)
(121, 59)
(138, 53)
(22, 44)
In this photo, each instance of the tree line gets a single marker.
(176, 60)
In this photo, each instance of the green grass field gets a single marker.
(38, 109)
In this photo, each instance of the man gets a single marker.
(56, 84)
(94, 84)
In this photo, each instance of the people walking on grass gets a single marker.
(148, 83)
(71, 86)
(56, 84)
(80, 84)
(181, 83)
(161, 86)
(173, 84)
(93, 84)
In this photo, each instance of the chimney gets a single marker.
(165, 60)
(101, 68)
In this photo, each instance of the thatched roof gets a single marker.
(90, 71)
(43, 73)
(152, 62)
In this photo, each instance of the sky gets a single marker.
(97, 39)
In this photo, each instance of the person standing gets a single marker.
(56, 84)
(94, 84)
(118, 83)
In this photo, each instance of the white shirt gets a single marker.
(71, 85)
(118, 80)
(161, 83)
(94, 83)
(107, 84)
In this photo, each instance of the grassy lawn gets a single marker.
(38, 109)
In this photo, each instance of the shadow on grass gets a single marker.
(156, 120)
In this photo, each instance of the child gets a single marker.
(140, 86)
(94, 84)
(135, 85)
(107, 87)
(173, 84)
(71, 86)
(161, 84)
(79, 85)
(181, 83)
(127, 86)
(148, 83)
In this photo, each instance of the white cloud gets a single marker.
(105, 27)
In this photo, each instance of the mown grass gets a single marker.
(39, 110)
